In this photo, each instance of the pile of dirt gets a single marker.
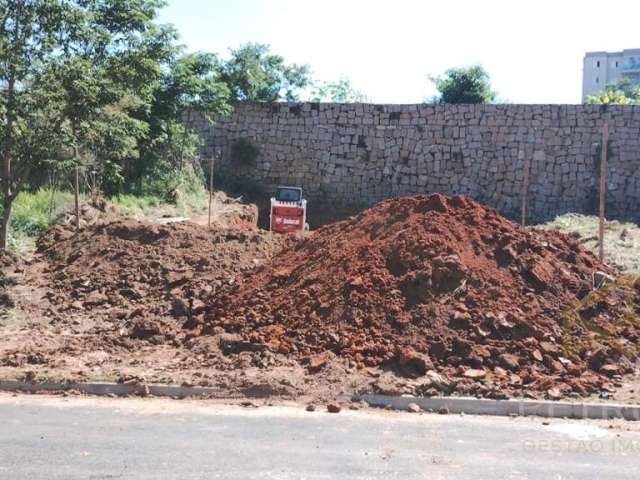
(7, 261)
(443, 290)
(95, 210)
(143, 276)
(229, 212)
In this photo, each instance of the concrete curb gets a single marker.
(478, 406)
(471, 406)
(116, 389)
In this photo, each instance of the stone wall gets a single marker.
(358, 154)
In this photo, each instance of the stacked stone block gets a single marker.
(358, 154)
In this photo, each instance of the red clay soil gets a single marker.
(435, 283)
(143, 276)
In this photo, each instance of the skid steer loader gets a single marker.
(288, 213)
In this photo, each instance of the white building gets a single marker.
(604, 68)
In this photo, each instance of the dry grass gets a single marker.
(619, 296)
(621, 240)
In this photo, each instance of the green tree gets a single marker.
(85, 70)
(104, 74)
(339, 92)
(464, 85)
(119, 126)
(189, 88)
(254, 74)
(29, 35)
(623, 92)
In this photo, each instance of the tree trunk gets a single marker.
(7, 194)
(6, 224)
(7, 202)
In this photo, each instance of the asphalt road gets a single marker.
(44, 437)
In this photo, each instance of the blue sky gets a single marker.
(533, 50)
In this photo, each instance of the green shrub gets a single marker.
(163, 184)
(185, 190)
(135, 204)
(32, 211)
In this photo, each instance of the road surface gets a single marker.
(46, 437)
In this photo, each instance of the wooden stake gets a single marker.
(54, 186)
(603, 188)
(210, 188)
(525, 183)
(76, 195)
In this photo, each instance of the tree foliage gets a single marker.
(188, 87)
(254, 74)
(341, 91)
(30, 111)
(623, 92)
(100, 84)
(464, 85)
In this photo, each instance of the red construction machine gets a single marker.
(288, 212)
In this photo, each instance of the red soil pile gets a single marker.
(142, 276)
(431, 282)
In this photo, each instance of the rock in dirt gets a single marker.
(610, 370)
(554, 394)
(411, 363)
(509, 361)
(475, 374)
(413, 408)
(438, 381)
(318, 361)
(388, 384)
(333, 408)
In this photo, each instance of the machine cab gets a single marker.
(289, 194)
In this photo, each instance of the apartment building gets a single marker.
(603, 68)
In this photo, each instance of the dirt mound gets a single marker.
(144, 272)
(443, 284)
(8, 261)
(228, 212)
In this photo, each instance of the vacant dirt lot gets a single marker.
(115, 303)
(421, 295)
